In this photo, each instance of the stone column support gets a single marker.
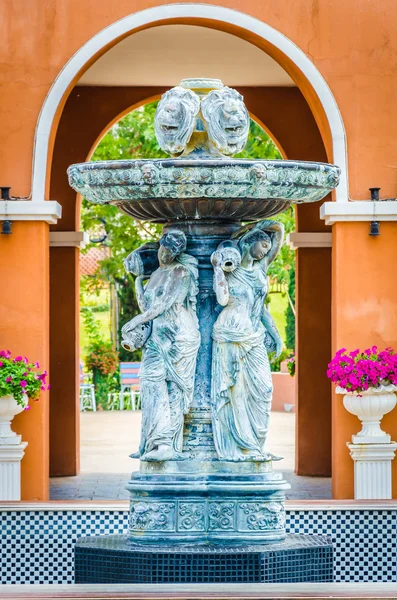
(64, 352)
(24, 266)
(372, 470)
(10, 470)
(313, 350)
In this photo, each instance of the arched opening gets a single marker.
(284, 52)
(88, 111)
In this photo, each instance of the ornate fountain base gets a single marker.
(205, 522)
(209, 501)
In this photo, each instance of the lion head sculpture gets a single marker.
(227, 120)
(175, 119)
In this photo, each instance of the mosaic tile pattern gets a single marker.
(113, 559)
(38, 546)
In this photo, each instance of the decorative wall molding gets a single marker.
(27, 210)
(309, 240)
(146, 18)
(66, 239)
(358, 210)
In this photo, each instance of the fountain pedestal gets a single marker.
(196, 516)
(115, 559)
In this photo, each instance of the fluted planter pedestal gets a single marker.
(372, 470)
(12, 450)
(372, 449)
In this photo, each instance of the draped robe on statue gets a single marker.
(241, 378)
(169, 363)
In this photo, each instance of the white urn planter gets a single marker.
(370, 406)
(372, 449)
(9, 408)
(12, 449)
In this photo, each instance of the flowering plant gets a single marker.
(102, 356)
(19, 377)
(358, 371)
(291, 364)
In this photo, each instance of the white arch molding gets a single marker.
(174, 11)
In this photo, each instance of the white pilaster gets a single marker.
(10, 470)
(27, 210)
(358, 210)
(372, 470)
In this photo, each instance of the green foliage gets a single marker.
(290, 317)
(276, 362)
(101, 359)
(291, 364)
(284, 262)
(91, 325)
(100, 354)
(259, 144)
(104, 385)
(128, 310)
(132, 137)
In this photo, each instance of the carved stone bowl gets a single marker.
(162, 190)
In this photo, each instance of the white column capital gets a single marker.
(306, 239)
(27, 210)
(65, 239)
(358, 210)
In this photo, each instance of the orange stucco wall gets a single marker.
(364, 314)
(354, 47)
(24, 313)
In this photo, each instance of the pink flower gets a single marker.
(36, 364)
(27, 407)
(48, 387)
(42, 388)
(25, 360)
(23, 383)
(18, 359)
(358, 371)
(9, 379)
(1, 364)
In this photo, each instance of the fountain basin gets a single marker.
(162, 190)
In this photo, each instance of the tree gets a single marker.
(289, 313)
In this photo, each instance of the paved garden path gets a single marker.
(108, 437)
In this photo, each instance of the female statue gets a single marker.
(243, 333)
(168, 302)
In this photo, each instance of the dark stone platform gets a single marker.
(116, 559)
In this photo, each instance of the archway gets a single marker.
(90, 111)
(278, 46)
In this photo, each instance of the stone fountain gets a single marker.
(206, 504)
